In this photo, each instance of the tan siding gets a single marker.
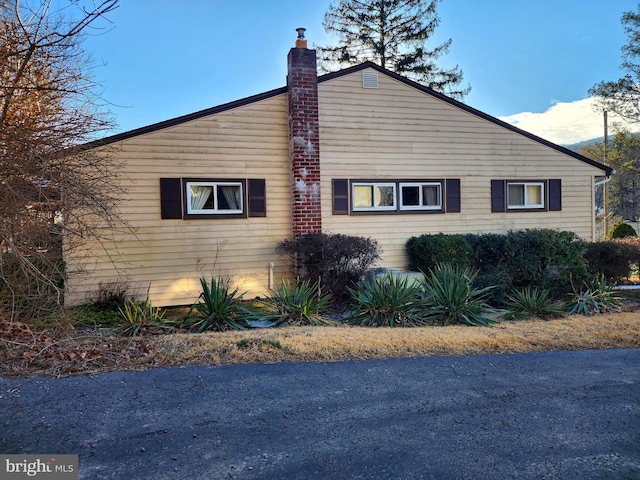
(393, 132)
(168, 257)
(397, 132)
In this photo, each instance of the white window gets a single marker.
(214, 198)
(421, 196)
(525, 195)
(373, 196)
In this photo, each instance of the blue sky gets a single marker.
(529, 62)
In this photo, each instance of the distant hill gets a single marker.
(577, 146)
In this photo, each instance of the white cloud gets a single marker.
(566, 123)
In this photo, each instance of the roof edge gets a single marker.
(329, 76)
(183, 118)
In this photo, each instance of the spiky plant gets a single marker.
(138, 316)
(387, 300)
(594, 298)
(300, 304)
(451, 298)
(531, 302)
(218, 308)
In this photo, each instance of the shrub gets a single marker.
(302, 304)
(451, 298)
(594, 298)
(139, 316)
(621, 230)
(387, 300)
(611, 259)
(31, 286)
(427, 251)
(531, 302)
(218, 308)
(546, 259)
(336, 260)
(488, 251)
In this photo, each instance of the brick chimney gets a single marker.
(304, 137)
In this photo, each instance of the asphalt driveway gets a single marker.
(556, 415)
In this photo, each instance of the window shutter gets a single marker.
(170, 198)
(555, 195)
(453, 195)
(498, 200)
(340, 196)
(257, 198)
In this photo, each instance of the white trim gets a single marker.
(216, 209)
(421, 205)
(373, 186)
(526, 204)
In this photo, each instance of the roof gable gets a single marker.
(356, 68)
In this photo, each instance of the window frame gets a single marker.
(420, 186)
(343, 194)
(526, 205)
(190, 213)
(373, 185)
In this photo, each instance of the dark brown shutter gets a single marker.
(555, 195)
(170, 198)
(257, 198)
(453, 195)
(340, 189)
(498, 200)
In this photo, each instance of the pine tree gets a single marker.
(394, 35)
(623, 96)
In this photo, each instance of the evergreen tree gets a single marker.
(623, 96)
(392, 34)
(623, 154)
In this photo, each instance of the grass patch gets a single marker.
(67, 351)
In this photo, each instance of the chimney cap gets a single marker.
(301, 42)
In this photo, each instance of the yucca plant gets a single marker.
(300, 304)
(451, 298)
(594, 298)
(218, 308)
(387, 300)
(531, 302)
(137, 316)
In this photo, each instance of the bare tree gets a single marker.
(53, 191)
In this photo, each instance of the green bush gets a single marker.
(387, 300)
(426, 251)
(336, 260)
(488, 251)
(218, 308)
(611, 259)
(451, 298)
(546, 259)
(302, 304)
(621, 230)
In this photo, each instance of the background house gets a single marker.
(361, 151)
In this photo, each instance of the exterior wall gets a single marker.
(168, 257)
(398, 132)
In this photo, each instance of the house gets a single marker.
(362, 151)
